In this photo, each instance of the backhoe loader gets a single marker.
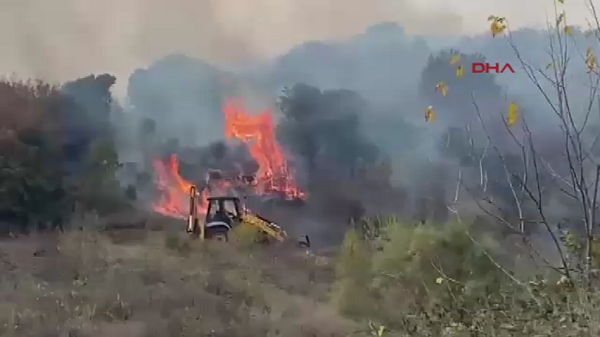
(225, 213)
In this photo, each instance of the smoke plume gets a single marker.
(175, 61)
(72, 38)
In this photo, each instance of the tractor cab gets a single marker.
(223, 209)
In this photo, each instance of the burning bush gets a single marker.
(272, 174)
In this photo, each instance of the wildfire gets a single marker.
(257, 132)
(174, 201)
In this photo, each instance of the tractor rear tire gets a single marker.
(218, 234)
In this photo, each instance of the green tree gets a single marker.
(324, 129)
(57, 147)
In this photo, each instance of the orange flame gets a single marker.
(258, 133)
(174, 201)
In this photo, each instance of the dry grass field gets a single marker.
(84, 283)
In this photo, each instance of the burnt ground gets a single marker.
(155, 281)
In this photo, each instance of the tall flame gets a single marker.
(257, 132)
(174, 201)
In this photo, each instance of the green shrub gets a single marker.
(57, 152)
(352, 290)
(436, 273)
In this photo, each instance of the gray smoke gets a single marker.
(174, 62)
(63, 40)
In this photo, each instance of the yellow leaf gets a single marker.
(561, 1)
(442, 88)
(497, 26)
(513, 114)
(429, 114)
(380, 331)
(439, 280)
(569, 30)
(455, 59)
(590, 60)
(460, 71)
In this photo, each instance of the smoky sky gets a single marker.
(61, 40)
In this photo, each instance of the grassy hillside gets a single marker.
(82, 283)
(408, 281)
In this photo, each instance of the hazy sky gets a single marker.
(63, 39)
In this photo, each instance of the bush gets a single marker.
(56, 152)
(352, 290)
(445, 280)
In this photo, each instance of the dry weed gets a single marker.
(85, 284)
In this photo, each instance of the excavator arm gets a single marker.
(264, 225)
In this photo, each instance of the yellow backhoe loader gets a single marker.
(224, 214)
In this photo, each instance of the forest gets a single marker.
(441, 202)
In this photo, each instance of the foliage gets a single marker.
(323, 128)
(56, 148)
(406, 262)
(451, 280)
(351, 292)
(574, 172)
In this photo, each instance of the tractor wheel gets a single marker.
(218, 234)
